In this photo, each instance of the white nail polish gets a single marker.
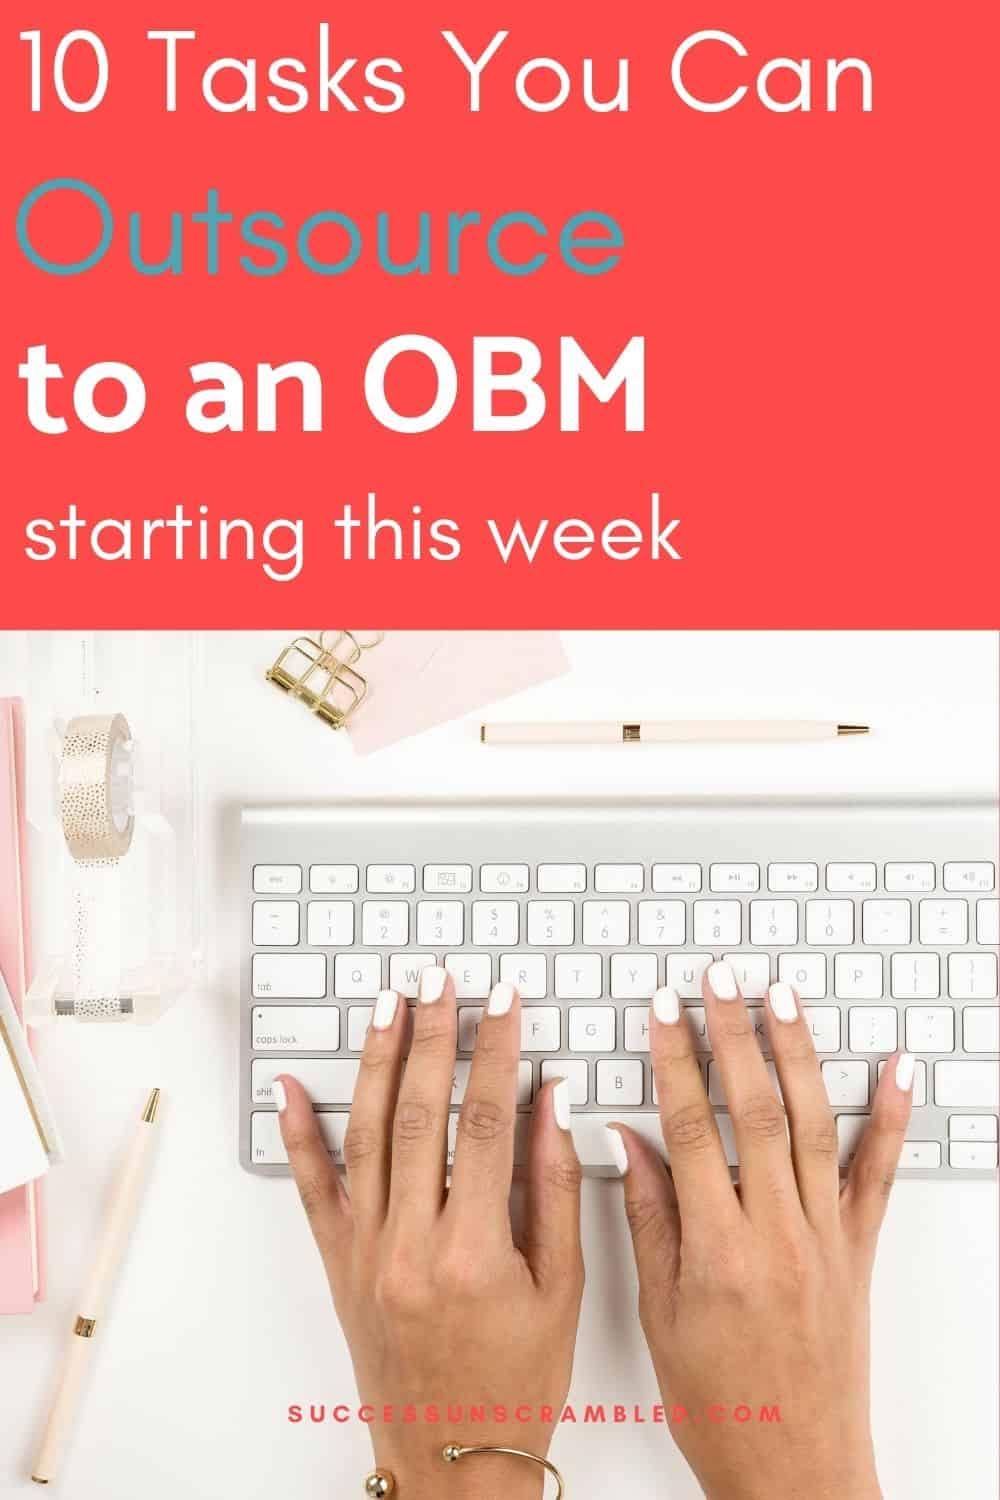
(385, 1010)
(432, 983)
(279, 1095)
(618, 1153)
(667, 1006)
(905, 1067)
(561, 1106)
(501, 999)
(782, 998)
(723, 982)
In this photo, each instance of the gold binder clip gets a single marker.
(321, 672)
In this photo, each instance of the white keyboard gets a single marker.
(884, 916)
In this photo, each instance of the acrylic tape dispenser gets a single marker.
(116, 941)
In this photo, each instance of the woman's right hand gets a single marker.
(758, 1297)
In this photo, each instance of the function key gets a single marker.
(385, 880)
(848, 878)
(734, 877)
(277, 880)
(510, 879)
(457, 878)
(978, 876)
(553, 880)
(792, 877)
(333, 880)
(621, 880)
(679, 879)
(903, 880)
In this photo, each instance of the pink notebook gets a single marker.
(22, 1272)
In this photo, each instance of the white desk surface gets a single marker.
(221, 1318)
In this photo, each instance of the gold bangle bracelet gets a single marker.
(381, 1484)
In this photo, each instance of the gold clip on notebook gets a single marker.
(27, 1128)
(322, 673)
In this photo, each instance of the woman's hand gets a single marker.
(758, 1297)
(439, 1306)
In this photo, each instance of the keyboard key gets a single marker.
(333, 880)
(930, 1028)
(606, 924)
(551, 924)
(591, 1028)
(277, 880)
(857, 976)
(267, 1147)
(685, 972)
(871, 1029)
(472, 974)
(846, 1083)
(440, 924)
(725, 878)
(469, 1017)
(357, 976)
(981, 1028)
(972, 1127)
(359, 1018)
(275, 924)
(528, 972)
(510, 880)
(716, 1088)
(578, 976)
(969, 877)
(330, 924)
(972, 1156)
(676, 879)
(541, 1027)
(620, 1083)
(774, 924)
(288, 976)
(824, 1026)
(495, 924)
(916, 1154)
(405, 970)
(972, 976)
(296, 1028)
(717, 923)
(850, 1132)
(916, 976)
(753, 973)
(967, 1085)
(806, 972)
(555, 880)
(944, 922)
(633, 976)
(829, 923)
(391, 880)
(784, 877)
(440, 879)
(907, 880)
(699, 1027)
(662, 924)
(637, 1028)
(856, 879)
(575, 1071)
(385, 924)
(988, 923)
(525, 1082)
(619, 880)
(919, 1094)
(325, 1080)
(885, 923)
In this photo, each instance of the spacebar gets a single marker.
(591, 1139)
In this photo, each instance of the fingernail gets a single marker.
(561, 1107)
(385, 1010)
(432, 983)
(782, 998)
(666, 1006)
(501, 999)
(279, 1096)
(723, 982)
(904, 1071)
(618, 1152)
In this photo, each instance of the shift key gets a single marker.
(968, 1085)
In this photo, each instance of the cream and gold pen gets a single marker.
(117, 1228)
(672, 732)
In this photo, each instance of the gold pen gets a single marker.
(676, 732)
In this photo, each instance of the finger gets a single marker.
(368, 1145)
(751, 1098)
(420, 1128)
(700, 1174)
(869, 1183)
(484, 1147)
(317, 1179)
(652, 1210)
(552, 1231)
(813, 1128)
